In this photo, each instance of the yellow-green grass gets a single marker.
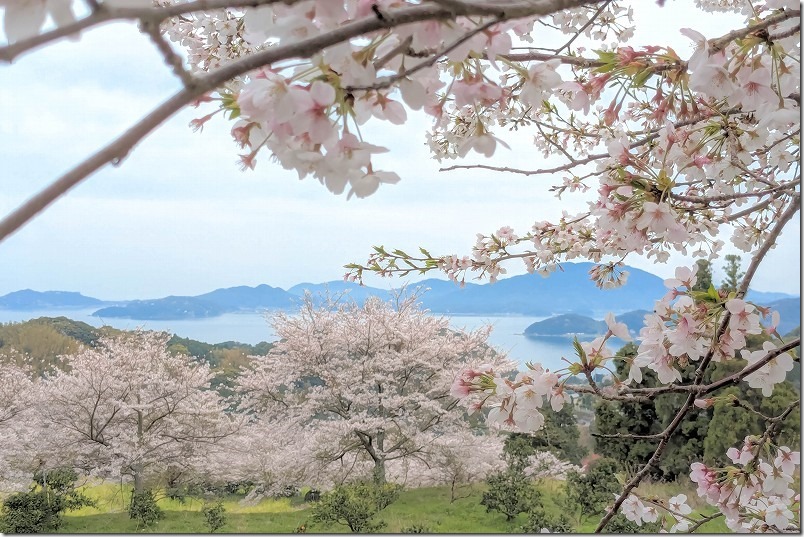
(429, 508)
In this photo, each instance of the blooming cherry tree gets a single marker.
(671, 153)
(18, 395)
(370, 384)
(128, 407)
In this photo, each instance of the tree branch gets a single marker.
(116, 151)
(699, 373)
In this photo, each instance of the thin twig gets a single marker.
(172, 59)
(119, 148)
(388, 81)
(703, 521)
(584, 27)
(700, 371)
(738, 195)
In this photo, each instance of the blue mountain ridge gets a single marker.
(568, 290)
(28, 299)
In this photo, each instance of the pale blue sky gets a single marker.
(178, 217)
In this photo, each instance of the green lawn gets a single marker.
(428, 507)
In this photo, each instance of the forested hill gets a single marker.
(568, 324)
(44, 339)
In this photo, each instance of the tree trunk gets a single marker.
(379, 460)
(139, 485)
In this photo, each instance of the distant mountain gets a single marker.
(634, 320)
(37, 300)
(163, 309)
(568, 290)
(572, 323)
(354, 291)
(789, 314)
(762, 297)
(565, 291)
(567, 324)
(245, 298)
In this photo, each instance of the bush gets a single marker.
(594, 490)
(40, 509)
(31, 512)
(356, 505)
(416, 528)
(511, 491)
(143, 508)
(215, 516)
(538, 520)
(620, 524)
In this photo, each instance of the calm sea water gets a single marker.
(252, 328)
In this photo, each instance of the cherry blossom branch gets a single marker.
(739, 195)
(703, 389)
(172, 59)
(507, 10)
(759, 364)
(657, 455)
(105, 13)
(590, 158)
(699, 373)
(116, 151)
(388, 81)
(720, 43)
(769, 243)
(585, 26)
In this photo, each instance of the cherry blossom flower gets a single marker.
(25, 18)
(619, 330)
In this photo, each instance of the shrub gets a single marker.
(356, 505)
(31, 512)
(40, 509)
(539, 520)
(416, 528)
(620, 524)
(593, 490)
(511, 491)
(215, 516)
(143, 508)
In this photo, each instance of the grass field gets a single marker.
(428, 507)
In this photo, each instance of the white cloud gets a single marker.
(179, 217)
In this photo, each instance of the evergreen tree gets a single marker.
(733, 273)
(704, 277)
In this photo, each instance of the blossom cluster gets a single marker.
(672, 514)
(756, 494)
(511, 403)
(684, 328)
(515, 403)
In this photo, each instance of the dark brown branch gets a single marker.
(388, 81)
(116, 151)
(172, 59)
(720, 43)
(699, 373)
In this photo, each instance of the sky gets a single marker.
(178, 217)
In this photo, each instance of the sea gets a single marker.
(506, 335)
